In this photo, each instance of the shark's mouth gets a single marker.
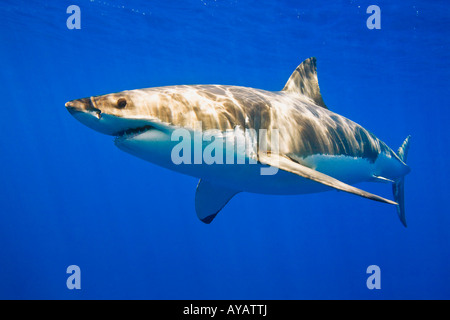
(133, 132)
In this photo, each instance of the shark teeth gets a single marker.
(132, 132)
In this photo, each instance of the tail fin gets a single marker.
(398, 188)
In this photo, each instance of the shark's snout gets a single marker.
(88, 112)
(82, 105)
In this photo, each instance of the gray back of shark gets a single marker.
(315, 149)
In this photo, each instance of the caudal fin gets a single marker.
(398, 188)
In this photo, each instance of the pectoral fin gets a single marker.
(289, 165)
(210, 199)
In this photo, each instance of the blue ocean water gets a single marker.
(69, 197)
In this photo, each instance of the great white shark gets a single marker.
(315, 149)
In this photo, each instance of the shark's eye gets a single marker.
(121, 103)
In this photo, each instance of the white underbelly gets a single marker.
(156, 146)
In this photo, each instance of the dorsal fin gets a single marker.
(304, 80)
